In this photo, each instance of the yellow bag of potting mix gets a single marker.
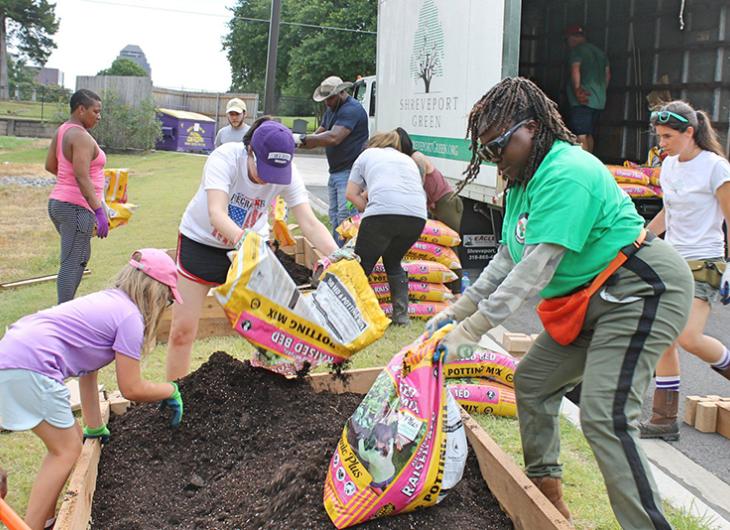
(349, 227)
(417, 271)
(628, 175)
(483, 396)
(404, 447)
(115, 184)
(279, 226)
(119, 213)
(118, 210)
(292, 330)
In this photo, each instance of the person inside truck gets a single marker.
(240, 182)
(614, 297)
(343, 134)
(695, 181)
(443, 204)
(590, 74)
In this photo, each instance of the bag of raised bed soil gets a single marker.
(417, 271)
(484, 363)
(292, 330)
(404, 447)
(420, 310)
(483, 396)
(433, 292)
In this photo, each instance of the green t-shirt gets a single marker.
(593, 63)
(571, 201)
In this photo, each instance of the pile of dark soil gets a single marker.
(252, 452)
(299, 273)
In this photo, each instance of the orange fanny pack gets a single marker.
(563, 316)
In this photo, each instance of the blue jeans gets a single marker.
(338, 210)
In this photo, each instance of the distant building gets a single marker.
(135, 53)
(47, 76)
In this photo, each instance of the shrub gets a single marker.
(124, 127)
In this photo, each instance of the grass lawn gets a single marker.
(289, 122)
(32, 110)
(161, 184)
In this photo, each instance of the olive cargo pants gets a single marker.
(630, 322)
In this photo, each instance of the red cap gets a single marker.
(156, 264)
(573, 29)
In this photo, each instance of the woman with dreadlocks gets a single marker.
(614, 297)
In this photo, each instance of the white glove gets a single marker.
(456, 312)
(725, 286)
(463, 340)
(297, 139)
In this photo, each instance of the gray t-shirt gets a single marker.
(229, 134)
(393, 183)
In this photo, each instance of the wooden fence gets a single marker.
(131, 90)
(211, 104)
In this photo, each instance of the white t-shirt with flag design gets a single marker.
(248, 202)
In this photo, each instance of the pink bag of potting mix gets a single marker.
(483, 396)
(433, 252)
(433, 292)
(404, 446)
(420, 310)
(417, 271)
(437, 232)
(484, 363)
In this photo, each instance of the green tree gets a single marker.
(306, 55)
(124, 67)
(28, 25)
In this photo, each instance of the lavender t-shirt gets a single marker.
(76, 337)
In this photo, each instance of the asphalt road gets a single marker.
(711, 451)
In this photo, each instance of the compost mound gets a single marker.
(252, 452)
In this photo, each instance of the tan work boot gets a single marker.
(663, 423)
(552, 488)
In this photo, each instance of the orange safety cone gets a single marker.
(11, 519)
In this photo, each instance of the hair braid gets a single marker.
(511, 100)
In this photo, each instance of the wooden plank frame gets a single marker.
(519, 498)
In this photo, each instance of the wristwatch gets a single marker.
(303, 139)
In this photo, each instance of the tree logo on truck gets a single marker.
(428, 46)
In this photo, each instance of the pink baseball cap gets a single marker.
(156, 264)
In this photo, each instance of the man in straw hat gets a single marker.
(237, 128)
(343, 134)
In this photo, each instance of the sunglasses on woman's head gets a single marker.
(663, 116)
(492, 151)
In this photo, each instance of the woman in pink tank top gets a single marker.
(443, 204)
(76, 204)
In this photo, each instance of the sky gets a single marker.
(181, 39)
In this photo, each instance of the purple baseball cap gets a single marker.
(273, 145)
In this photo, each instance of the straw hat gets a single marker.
(329, 87)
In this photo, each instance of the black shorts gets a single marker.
(202, 263)
(583, 120)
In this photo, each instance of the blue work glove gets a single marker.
(102, 433)
(456, 312)
(175, 403)
(102, 222)
(725, 286)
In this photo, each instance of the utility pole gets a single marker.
(270, 83)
